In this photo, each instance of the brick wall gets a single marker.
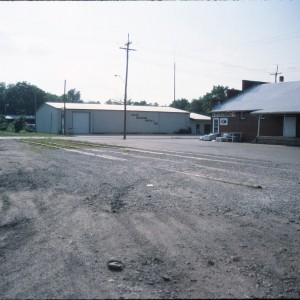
(247, 125)
(298, 126)
(269, 126)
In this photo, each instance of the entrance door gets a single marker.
(289, 127)
(81, 122)
(215, 125)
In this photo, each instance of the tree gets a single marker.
(23, 98)
(196, 106)
(181, 104)
(217, 94)
(3, 124)
(19, 124)
(53, 98)
(115, 102)
(74, 96)
(2, 97)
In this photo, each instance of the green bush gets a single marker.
(3, 124)
(19, 124)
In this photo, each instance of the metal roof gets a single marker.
(194, 116)
(14, 117)
(88, 106)
(283, 97)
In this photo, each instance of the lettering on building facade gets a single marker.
(138, 117)
(224, 114)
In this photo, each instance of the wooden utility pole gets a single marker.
(35, 109)
(65, 108)
(126, 78)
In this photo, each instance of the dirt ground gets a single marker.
(181, 224)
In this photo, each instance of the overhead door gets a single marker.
(81, 122)
(289, 128)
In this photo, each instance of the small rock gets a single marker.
(235, 258)
(210, 263)
(166, 278)
(115, 265)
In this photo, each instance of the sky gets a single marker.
(211, 43)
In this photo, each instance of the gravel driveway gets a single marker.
(180, 223)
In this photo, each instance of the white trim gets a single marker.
(217, 125)
(289, 126)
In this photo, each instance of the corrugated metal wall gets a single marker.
(48, 119)
(101, 121)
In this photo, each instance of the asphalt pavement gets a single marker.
(192, 143)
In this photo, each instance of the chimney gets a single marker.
(246, 84)
(281, 78)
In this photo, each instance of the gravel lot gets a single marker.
(196, 220)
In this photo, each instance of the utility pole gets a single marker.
(65, 108)
(35, 101)
(276, 73)
(35, 109)
(126, 78)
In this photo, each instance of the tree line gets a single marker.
(23, 98)
(204, 104)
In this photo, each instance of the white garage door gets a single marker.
(289, 128)
(81, 122)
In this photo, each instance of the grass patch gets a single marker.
(67, 144)
(24, 133)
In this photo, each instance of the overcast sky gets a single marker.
(212, 42)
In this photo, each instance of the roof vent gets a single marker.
(281, 78)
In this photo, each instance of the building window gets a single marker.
(242, 115)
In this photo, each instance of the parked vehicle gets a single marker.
(209, 137)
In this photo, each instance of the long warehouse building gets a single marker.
(84, 118)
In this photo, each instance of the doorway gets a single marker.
(81, 122)
(289, 127)
(216, 122)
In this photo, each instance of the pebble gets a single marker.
(115, 265)
(210, 263)
(166, 278)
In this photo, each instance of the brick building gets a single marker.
(263, 112)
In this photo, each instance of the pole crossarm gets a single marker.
(276, 73)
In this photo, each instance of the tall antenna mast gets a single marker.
(65, 113)
(174, 76)
(174, 80)
(276, 73)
